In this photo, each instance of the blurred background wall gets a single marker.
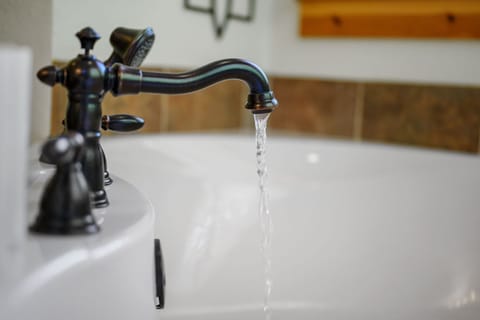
(408, 91)
(185, 39)
(29, 23)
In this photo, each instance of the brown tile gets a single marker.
(314, 106)
(432, 116)
(217, 107)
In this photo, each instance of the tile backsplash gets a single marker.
(443, 117)
(315, 107)
(431, 116)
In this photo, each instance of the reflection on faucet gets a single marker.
(88, 79)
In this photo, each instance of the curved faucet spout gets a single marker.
(127, 80)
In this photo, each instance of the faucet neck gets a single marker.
(127, 80)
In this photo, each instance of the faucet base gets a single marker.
(83, 225)
(99, 199)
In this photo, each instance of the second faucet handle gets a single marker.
(65, 206)
(122, 122)
(118, 123)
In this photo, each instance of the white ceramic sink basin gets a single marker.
(360, 231)
(107, 275)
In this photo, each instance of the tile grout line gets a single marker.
(358, 113)
(478, 141)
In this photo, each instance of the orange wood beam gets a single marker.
(390, 18)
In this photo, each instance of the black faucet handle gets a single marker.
(118, 123)
(64, 149)
(122, 122)
(65, 206)
(87, 37)
(50, 75)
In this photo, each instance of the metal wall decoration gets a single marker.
(220, 25)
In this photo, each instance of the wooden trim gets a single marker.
(390, 18)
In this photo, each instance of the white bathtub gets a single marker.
(361, 231)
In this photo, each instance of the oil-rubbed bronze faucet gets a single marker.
(87, 79)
